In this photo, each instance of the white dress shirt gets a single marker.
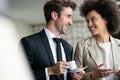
(50, 36)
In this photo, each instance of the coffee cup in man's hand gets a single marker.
(72, 65)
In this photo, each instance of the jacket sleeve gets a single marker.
(29, 50)
(79, 58)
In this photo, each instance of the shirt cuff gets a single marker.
(46, 72)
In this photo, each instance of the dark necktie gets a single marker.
(58, 49)
(59, 54)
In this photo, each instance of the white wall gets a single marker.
(13, 64)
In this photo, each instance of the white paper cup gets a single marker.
(72, 65)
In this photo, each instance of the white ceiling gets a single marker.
(31, 11)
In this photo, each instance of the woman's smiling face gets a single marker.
(96, 24)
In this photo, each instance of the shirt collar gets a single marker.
(50, 35)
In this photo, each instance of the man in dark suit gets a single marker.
(41, 48)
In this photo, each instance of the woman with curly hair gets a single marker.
(101, 51)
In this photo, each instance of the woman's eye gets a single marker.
(94, 19)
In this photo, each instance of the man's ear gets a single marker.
(54, 15)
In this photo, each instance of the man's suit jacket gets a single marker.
(86, 54)
(39, 53)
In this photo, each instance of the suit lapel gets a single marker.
(47, 46)
(92, 51)
(116, 52)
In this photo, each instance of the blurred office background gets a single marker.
(28, 18)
